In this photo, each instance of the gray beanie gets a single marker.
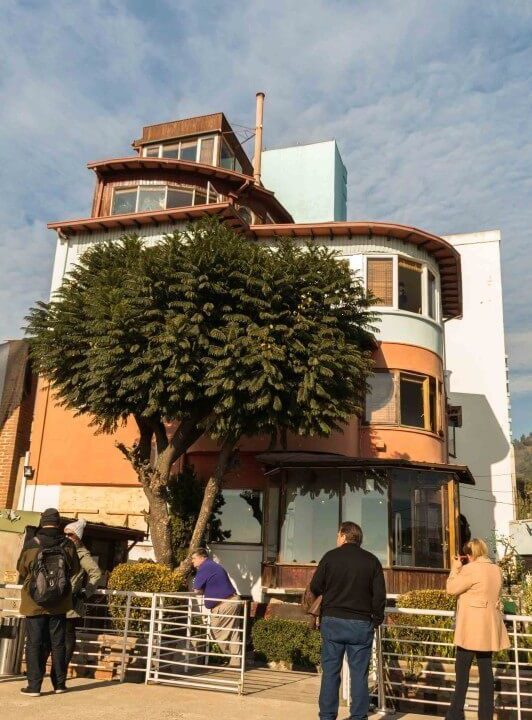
(76, 528)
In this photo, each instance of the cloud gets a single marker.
(429, 103)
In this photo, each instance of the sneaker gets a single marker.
(59, 690)
(30, 693)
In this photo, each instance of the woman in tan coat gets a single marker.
(480, 629)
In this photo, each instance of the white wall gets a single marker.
(243, 565)
(476, 361)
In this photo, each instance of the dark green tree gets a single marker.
(205, 332)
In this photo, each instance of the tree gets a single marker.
(213, 333)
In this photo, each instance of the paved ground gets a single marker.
(93, 700)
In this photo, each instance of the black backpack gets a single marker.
(50, 576)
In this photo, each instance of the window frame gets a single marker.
(197, 139)
(208, 190)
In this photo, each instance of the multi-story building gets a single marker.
(389, 471)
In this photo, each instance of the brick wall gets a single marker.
(14, 443)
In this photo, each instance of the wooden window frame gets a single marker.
(197, 139)
(137, 188)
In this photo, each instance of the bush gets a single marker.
(147, 577)
(405, 631)
(289, 640)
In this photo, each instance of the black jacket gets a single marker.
(351, 582)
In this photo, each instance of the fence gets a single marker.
(162, 638)
(415, 663)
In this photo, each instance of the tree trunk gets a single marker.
(212, 489)
(160, 529)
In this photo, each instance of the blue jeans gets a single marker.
(354, 637)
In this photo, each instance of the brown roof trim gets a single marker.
(105, 167)
(133, 221)
(447, 257)
(294, 459)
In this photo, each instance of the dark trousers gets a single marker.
(45, 634)
(354, 638)
(70, 638)
(464, 658)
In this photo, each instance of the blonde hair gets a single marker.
(476, 547)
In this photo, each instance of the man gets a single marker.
(213, 582)
(84, 584)
(351, 583)
(45, 567)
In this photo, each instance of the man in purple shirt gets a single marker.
(213, 582)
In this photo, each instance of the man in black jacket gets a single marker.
(351, 583)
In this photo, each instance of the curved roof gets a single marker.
(107, 167)
(446, 256)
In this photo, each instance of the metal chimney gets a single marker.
(258, 136)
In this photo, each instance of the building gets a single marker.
(390, 470)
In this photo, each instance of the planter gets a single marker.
(281, 665)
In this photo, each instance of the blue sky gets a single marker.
(430, 103)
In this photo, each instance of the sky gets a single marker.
(430, 103)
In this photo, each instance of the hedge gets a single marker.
(292, 641)
(140, 577)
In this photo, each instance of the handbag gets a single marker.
(311, 605)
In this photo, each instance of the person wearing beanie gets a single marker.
(46, 624)
(84, 583)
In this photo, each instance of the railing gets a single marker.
(415, 663)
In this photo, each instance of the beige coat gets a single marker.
(479, 623)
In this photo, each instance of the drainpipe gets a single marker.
(258, 137)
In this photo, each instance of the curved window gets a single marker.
(143, 198)
(402, 284)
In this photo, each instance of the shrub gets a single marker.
(405, 632)
(147, 577)
(289, 640)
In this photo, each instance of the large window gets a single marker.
(240, 516)
(228, 159)
(403, 284)
(195, 150)
(398, 398)
(365, 502)
(144, 198)
(419, 523)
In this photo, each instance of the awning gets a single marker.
(287, 459)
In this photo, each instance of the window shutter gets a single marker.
(380, 280)
(381, 401)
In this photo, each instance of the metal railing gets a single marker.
(415, 663)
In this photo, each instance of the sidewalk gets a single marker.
(93, 700)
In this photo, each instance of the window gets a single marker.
(365, 502)
(420, 535)
(188, 150)
(170, 151)
(311, 515)
(245, 214)
(227, 157)
(207, 151)
(381, 400)
(380, 280)
(240, 516)
(405, 399)
(152, 151)
(124, 201)
(454, 421)
(431, 308)
(409, 278)
(158, 197)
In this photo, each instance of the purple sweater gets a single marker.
(214, 582)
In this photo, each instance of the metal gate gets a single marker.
(190, 647)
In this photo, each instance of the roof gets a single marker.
(285, 459)
(134, 221)
(109, 532)
(192, 127)
(446, 256)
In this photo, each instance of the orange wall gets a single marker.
(65, 449)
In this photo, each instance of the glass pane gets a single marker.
(412, 402)
(238, 166)
(409, 286)
(365, 502)
(245, 214)
(273, 523)
(432, 296)
(124, 201)
(433, 406)
(311, 517)
(418, 522)
(227, 159)
(200, 197)
(381, 403)
(240, 516)
(152, 151)
(152, 198)
(179, 198)
(380, 280)
(171, 151)
(188, 150)
(212, 195)
(207, 151)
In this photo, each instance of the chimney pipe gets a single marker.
(258, 136)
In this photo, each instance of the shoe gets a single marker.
(59, 690)
(30, 693)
